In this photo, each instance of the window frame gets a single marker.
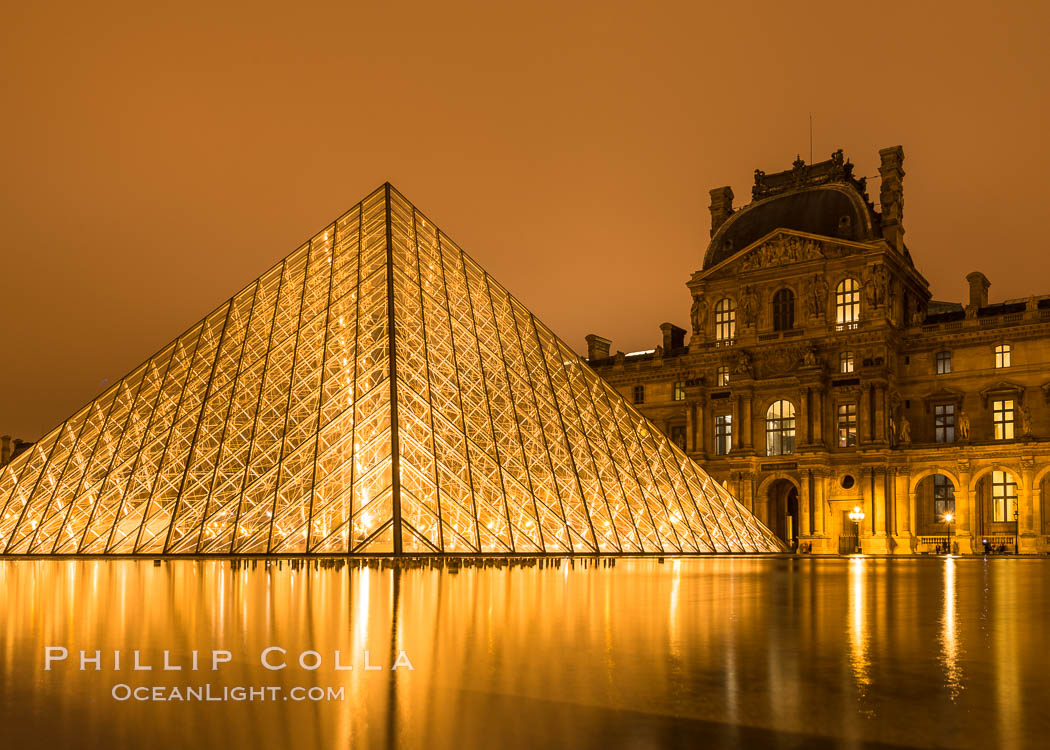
(1004, 504)
(638, 395)
(944, 422)
(1003, 418)
(678, 391)
(847, 362)
(1003, 356)
(943, 362)
(847, 303)
(722, 376)
(783, 304)
(723, 434)
(943, 496)
(725, 320)
(846, 424)
(780, 428)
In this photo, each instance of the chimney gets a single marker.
(674, 337)
(5, 449)
(721, 207)
(597, 347)
(891, 195)
(978, 289)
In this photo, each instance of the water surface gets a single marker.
(715, 652)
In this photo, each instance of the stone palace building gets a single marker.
(821, 378)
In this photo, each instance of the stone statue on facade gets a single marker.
(1026, 421)
(809, 356)
(963, 425)
(818, 296)
(743, 365)
(698, 314)
(748, 307)
(905, 431)
(893, 431)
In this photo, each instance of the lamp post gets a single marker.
(1017, 528)
(857, 515)
(948, 518)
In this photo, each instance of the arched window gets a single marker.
(783, 310)
(1004, 497)
(943, 496)
(780, 428)
(725, 320)
(847, 303)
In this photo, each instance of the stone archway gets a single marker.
(782, 510)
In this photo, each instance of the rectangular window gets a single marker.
(944, 423)
(944, 363)
(1003, 419)
(1004, 497)
(943, 496)
(639, 394)
(722, 375)
(847, 425)
(1002, 356)
(678, 435)
(723, 434)
(679, 391)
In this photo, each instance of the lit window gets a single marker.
(847, 303)
(639, 394)
(1002, 355)
(723, 434)
(679, 391)
(944, 363)
(725, 320)
(943, 496)
(780, 428)
(846, 362)
(1003, 419)
(783, 310)
(944, 423)
(847, 425)
(1004, 497)
(722, 375)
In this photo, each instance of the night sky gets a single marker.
(157, 159)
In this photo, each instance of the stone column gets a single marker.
(748, 422)
(877, 486)
(880, 413)
(904, 533)
(738, 426)
(818, 415)
(804, 516)
(964, 511)
(802, 418)
(1027, 540)
(864, 415)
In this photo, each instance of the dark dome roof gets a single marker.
(832, 210)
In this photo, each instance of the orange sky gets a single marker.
(157, 160)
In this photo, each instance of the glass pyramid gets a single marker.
(374, 392)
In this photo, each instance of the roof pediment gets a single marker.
(783, 247)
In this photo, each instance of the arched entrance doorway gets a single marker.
(934, 513)
(782, 510)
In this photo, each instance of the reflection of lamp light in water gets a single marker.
(857, 516)
(949, 641)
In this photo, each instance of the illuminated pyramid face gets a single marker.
(283, 423)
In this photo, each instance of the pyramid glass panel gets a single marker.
(376, 392)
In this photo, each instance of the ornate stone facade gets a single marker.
(822, 377)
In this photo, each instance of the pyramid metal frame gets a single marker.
(375, 392)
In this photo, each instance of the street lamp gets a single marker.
(948, 518)
(857, 515)
(1017, 528)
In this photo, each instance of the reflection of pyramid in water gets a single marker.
(267, 427)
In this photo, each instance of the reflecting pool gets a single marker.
(713, 652)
